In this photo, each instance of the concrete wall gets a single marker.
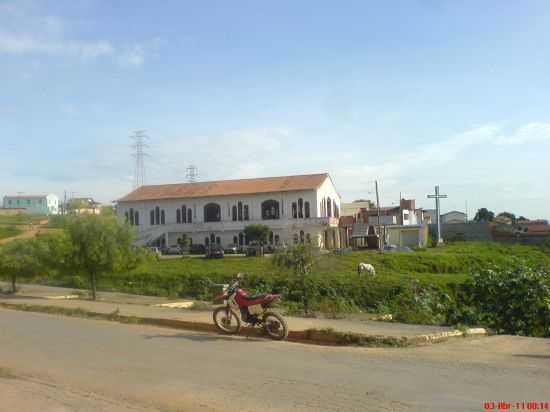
(415, 236)
(471, 231)
(11, 212)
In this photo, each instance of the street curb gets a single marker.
(324, 337)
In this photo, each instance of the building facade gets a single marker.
(33, 204)
(297, 209)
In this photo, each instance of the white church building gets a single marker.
(297, 209)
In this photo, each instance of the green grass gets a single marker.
(8, 231)
(434, 267)
(339, 288)
(21, 219)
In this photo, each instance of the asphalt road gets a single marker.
(63, 364)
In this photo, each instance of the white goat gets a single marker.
(366, 267)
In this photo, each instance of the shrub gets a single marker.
(513, 301)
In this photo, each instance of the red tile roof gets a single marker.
(227, 187)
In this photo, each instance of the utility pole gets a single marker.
(437, 196)
(140, 145)
(380, 243)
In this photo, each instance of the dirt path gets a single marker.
(28, 231)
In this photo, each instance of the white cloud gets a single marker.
(531, 132)
(29, 45)
(133, 56)
(235, 153)
(27, 31)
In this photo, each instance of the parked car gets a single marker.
(197, 249)
(214, 252)
(232, 248)
(172, 250)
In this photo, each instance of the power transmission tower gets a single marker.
(437, 196)
(139, 146)
(192, 174)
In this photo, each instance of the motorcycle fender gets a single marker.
(255, 309)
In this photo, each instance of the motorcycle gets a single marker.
(254, 310)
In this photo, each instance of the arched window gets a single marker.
(132, 216)
(277, 239)
(321, 209)
(329, 207)
(206, 241)
(302, 236)
(212, 212)
(241, 239)
(218, 241)
(183, 214)
(136, 218)
(234, 213)
(152, 216)
(300, 208)
(127, 219)
(178, 216)
(189, 216)
(246, 215)
(308, 238)
(235, 240)
(240, 209)
(270, 210)
(306, 210)
(212, 238)
(294, 210)
(336, 210)
(295, 238)
(271, 238)
(162, 217)
(157, 215)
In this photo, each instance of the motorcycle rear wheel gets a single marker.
(275, 326)
(227, 321)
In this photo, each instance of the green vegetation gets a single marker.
(95, 246)
(257, 233)
(18, 259)
(430, 286)
(513, 301)
(9, 231)
(21, 219)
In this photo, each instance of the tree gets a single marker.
(107, 210)
(100, 245)
(484, 215)
(257, 233)
(19, 258)
(184, 242)
(507, 216)
(300, 259)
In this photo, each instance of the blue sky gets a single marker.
(412, 93)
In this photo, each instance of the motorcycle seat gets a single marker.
(254, 297)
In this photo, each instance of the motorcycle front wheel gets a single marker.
(275, 326)
(227, 320)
